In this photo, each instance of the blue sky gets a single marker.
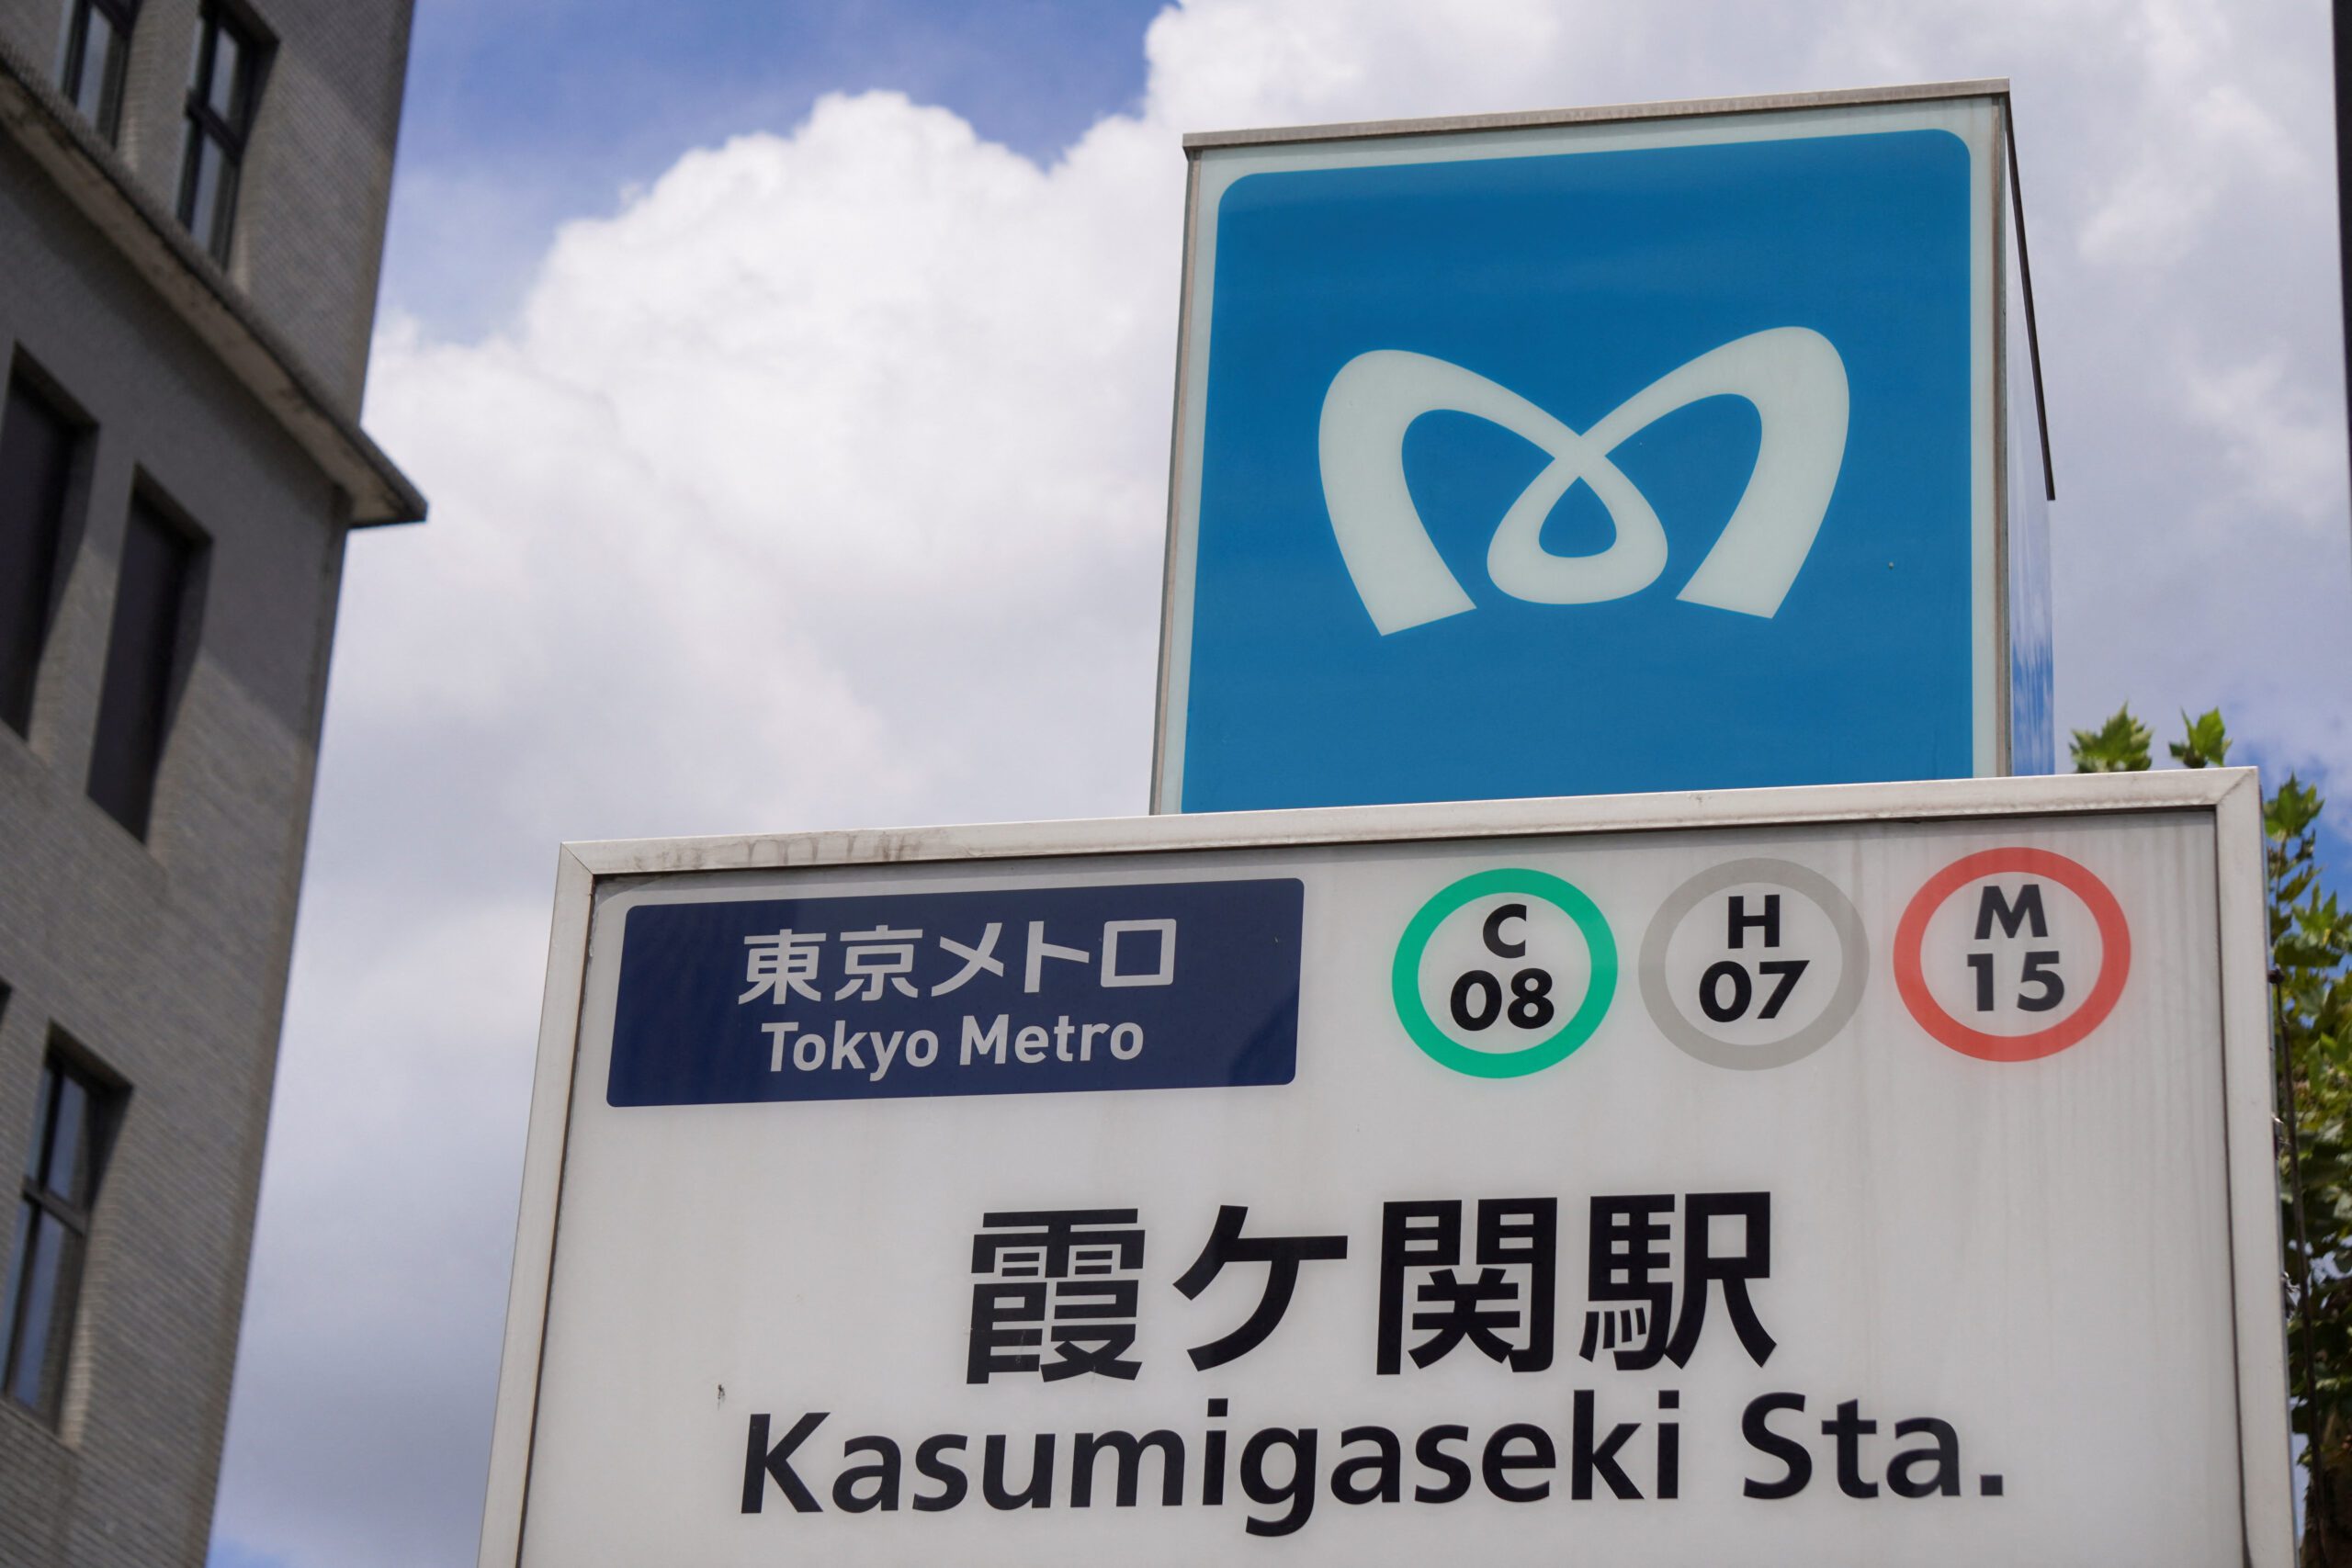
(524, 113)
(230, 1554)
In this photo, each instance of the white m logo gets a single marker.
(1792, 376)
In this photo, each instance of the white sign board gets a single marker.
(1854, 1175)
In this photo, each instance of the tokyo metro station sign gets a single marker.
(1852, 1175)
(1671, 446)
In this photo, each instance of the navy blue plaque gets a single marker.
(1022, 990)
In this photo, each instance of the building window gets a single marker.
(158, 607)
(72, 1122)
(38, 443)
(220, 113)
(97, 44)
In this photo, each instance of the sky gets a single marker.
(791, 385)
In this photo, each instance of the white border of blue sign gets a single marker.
(589, 874)
(1976, 111)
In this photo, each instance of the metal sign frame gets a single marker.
(2001, 220)
(2233, 797)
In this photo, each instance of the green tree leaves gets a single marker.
(2206, 744)
(2118, 746)
(2310, 948)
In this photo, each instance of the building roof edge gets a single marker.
(92, 177)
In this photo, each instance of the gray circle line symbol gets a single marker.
(1854, 954)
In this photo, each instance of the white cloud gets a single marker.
(2283, 438)
(824, 484)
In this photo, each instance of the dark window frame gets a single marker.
(131, 799)
(64, 531)
(102, 1097)
(223, 133)
(122, 16)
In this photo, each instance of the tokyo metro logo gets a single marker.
(1791, 375)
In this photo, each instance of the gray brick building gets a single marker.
(192, 200)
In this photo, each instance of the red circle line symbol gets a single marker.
(2115, 955)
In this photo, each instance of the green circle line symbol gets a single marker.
(1405, 975)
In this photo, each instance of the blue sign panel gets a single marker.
(1026, 991)
(1612, 469)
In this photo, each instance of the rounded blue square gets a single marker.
(1570, 283)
